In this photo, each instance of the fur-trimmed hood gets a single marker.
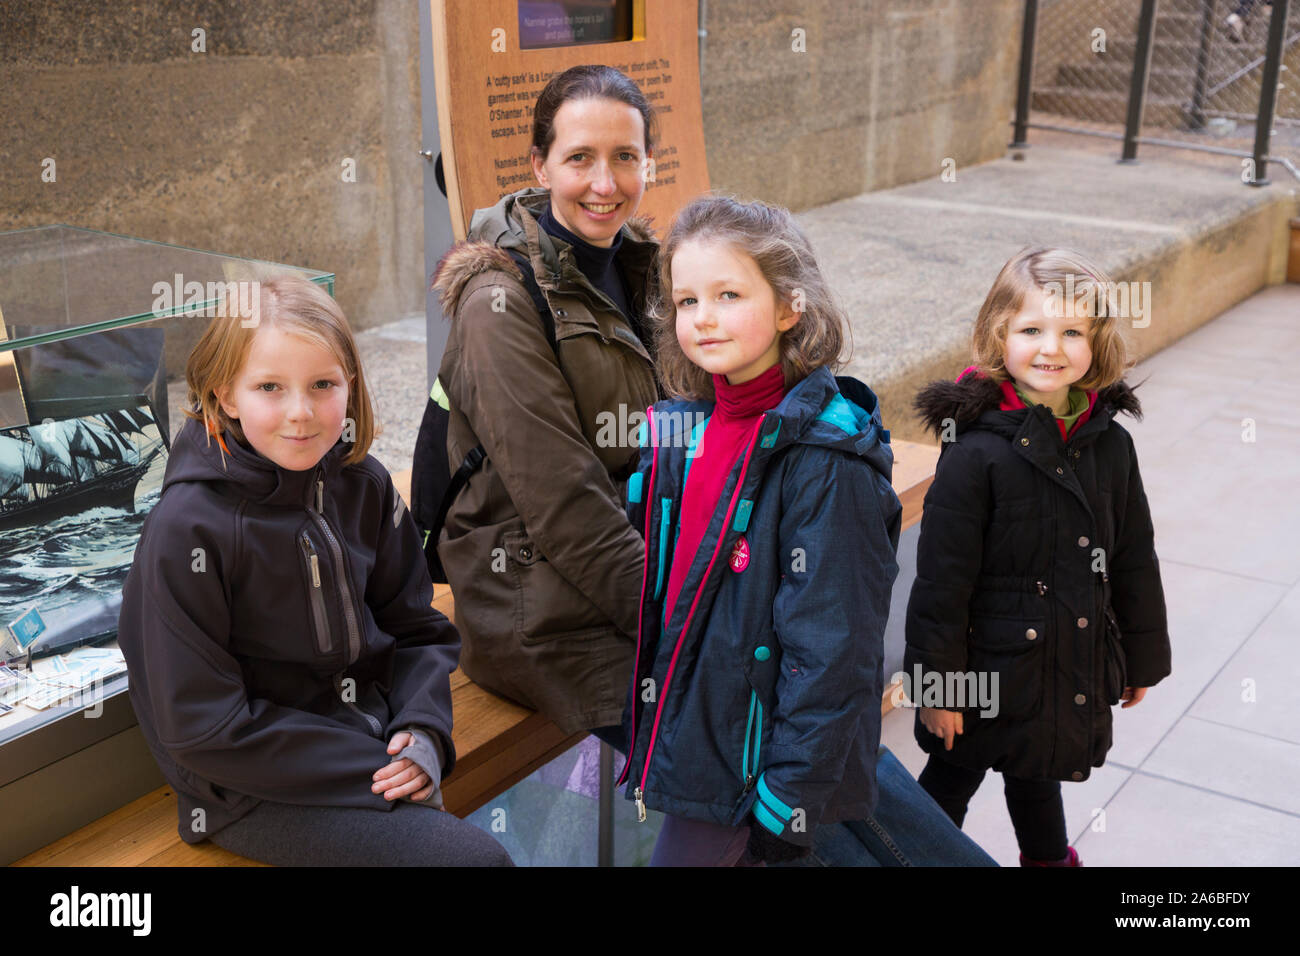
(973, 394)
(512, 225)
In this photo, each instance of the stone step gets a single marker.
(1178, 26)
(1108, 106)
(1225, 57)
(912, 264)
(1113, 76)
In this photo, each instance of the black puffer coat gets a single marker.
(1036, 566)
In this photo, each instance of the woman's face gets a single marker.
(595, 167)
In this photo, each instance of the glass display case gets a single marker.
(90, 323)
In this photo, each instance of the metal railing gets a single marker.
(1217, 76)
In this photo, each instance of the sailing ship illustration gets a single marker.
(59, 468)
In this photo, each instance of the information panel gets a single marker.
(492, 58)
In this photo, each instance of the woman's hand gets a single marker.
(942, 723)
(401, 777)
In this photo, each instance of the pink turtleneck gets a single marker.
(728, 433)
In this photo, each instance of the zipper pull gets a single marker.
(749, 784)
(320, 496)
(640, 805)
(315, 572)
(1042, 588)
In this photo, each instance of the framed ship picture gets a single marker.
(74, 494)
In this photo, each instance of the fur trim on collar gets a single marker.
(464, 261)
(966, 400)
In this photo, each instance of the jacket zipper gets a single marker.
(639, 792)
(665, 522)
(748, 772)
(640, 620)
(375, 726)
(354, 636)
(317, 513)
(319, 617)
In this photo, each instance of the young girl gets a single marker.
(770, 528)
(1036, 571)
(286, 668)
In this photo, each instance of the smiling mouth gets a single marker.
(600, 208)
(704, 342)
(1049, 368)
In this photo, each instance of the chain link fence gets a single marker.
(1208, 62)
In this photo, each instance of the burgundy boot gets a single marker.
(1071, 859)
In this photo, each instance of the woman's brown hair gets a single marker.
(588, 81)
(293, 305)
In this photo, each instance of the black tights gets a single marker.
(1035, 805)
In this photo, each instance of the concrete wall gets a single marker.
(885, 91)
(238, 149)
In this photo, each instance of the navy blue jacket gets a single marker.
(761, 691)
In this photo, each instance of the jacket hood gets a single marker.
(511, 225)
(973, 395)
(239, 471)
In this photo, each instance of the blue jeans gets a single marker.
(907, 829)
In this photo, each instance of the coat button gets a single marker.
(1031, 634)
(1076, 453)
(762, 653)
(1082, 622)
(560, 313)
(525, 554)
(1080, 699)
(1083, 541)
(1024, 441)
(1077, 775)
(1059, 470)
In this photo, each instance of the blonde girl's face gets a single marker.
(729, 320)
(1047, 349)
(291, 399)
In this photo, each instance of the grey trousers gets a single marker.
(409, 835)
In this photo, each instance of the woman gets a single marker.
(545, 567)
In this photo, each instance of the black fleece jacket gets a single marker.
(278, 631)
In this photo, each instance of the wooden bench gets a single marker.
(498, 743)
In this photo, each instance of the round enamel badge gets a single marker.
(740, 555)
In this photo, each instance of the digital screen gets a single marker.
(558, 23)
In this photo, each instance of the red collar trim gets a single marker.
(1011, 401)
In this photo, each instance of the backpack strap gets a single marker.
(473, 460)
(539, 300)
(475, 457)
